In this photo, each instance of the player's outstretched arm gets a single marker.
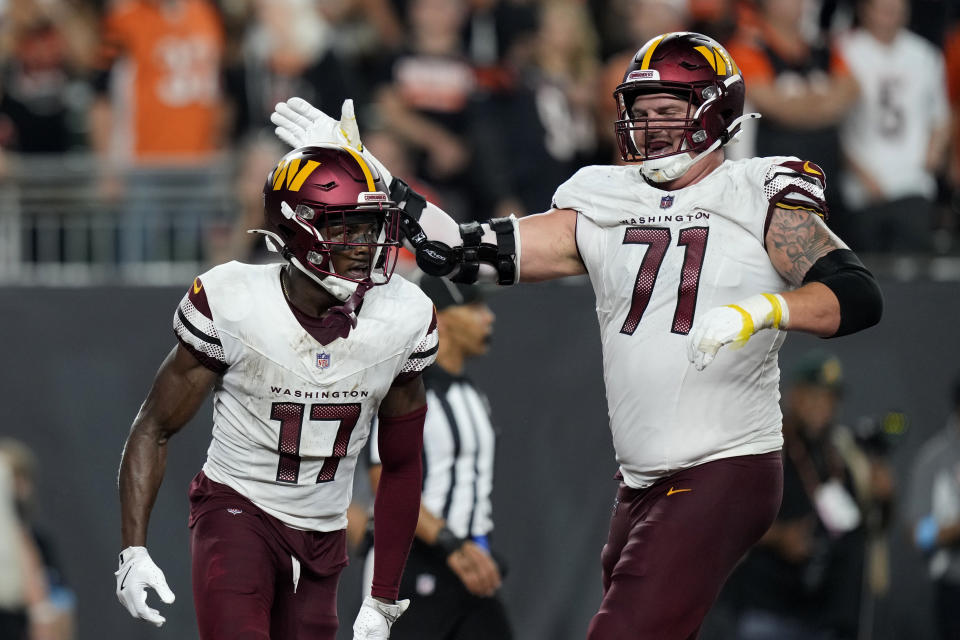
(178, 390)
(550, 246)
(487, 252)
(835, 295)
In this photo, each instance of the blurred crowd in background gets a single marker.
(153, 117)
(484, 105)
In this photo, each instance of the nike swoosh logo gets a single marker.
(673, 491)
(124, 581)
(809, 169)
(197, 285)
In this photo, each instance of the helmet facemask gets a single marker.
(338, 229)
(641, 139)
(639, 136)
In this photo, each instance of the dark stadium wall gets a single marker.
(79, 363)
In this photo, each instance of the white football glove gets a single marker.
(300, 124)
(375, 618)
(137, 572)
(734, 323)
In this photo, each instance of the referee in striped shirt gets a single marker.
(451, 575)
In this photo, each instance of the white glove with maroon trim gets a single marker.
(137, 572)
(734, 323)
(376, 618)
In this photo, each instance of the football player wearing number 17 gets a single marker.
(300, 356)
(687, 253)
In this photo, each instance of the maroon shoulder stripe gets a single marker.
(198, 296)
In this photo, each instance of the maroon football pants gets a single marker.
(672, 545)
(246, 583)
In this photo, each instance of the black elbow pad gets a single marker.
(861, 302)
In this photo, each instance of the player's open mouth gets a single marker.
(357, 272)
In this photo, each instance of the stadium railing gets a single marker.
(58, 226)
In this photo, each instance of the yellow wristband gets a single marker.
(747, 329)
(777, 308)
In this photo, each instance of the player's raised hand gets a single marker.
(300, 124)
(137, 572)
(734, 323)
(376, 618)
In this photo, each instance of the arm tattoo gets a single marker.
(797, 239)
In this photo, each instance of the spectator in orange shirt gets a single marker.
(172, 87)
(802, 88)
(951, 54)
(159, 111)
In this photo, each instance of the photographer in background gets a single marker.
(934, 512)
(804, 580)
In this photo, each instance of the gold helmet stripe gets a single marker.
(734, 69)
(279, 174)
(714, 59)
(649, 54)
(303, 175)
(363, 167)
(721, 62)
(291, 175)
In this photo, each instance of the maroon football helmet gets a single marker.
(324, 199)
(691, 67)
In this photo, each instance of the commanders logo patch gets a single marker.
(323, 360)
(645, 74)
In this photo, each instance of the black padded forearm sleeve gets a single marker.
(857, 291)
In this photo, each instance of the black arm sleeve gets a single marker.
(861, 302)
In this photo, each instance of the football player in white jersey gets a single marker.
(686, 254)
(300, 357)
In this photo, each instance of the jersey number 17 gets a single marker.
(329, 417)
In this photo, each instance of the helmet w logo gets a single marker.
(291, 173)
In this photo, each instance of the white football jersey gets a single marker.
(658, 258)
(902, 101)
(290, 415)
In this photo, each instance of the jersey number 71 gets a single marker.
(658, 240)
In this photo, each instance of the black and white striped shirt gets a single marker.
(458, 450)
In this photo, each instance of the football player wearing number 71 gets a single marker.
(700, 266)
(300, 356)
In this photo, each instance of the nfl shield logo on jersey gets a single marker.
(323, 360)
(666, 202)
